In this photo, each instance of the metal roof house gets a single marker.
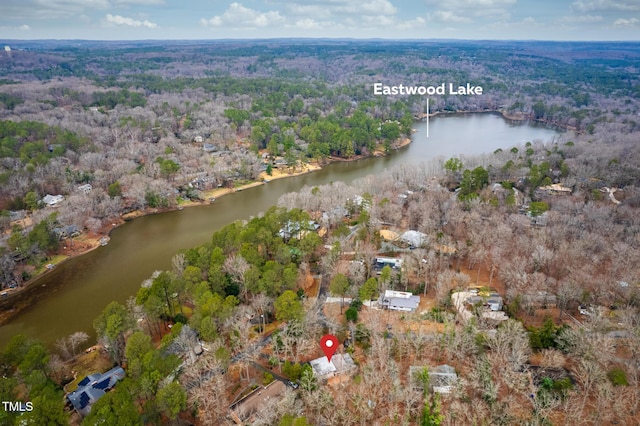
(52, 200)
(399, 301)
(340, 364)
(92, 387)
(414, 238)
(392, 262)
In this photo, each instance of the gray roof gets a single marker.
(340, 364)
(92, 387)
(412, 302)
(414, 238)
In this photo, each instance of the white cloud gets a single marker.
(57, 9)
(307, 24)
(633, 22)
(467, 11)
(412, 24)
(379, 21)
(239, 16)
(449, 16)
(138, 2)
(605, 5)
(469, 4)
(309, 10)
(24, 27)
(47, 10)
(377, 7)
(581, 19)
(130, 22)
(340, 8)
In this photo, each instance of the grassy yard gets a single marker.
(88, 363)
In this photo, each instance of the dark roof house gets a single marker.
(92, 387)
(66, 232)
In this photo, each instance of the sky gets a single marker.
(365, 19)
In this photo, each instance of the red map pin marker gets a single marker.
(329, 345)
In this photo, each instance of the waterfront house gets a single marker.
(92, 387)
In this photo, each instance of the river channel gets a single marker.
(74, 293)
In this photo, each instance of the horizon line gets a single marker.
(350, 39)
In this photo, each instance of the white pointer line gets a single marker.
(427, 117)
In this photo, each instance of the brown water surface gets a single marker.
(72, 295)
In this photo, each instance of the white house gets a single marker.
(340, 364)
(414, 238)
(392, 262)
(86, 188)
(52, 200)
(399, 301)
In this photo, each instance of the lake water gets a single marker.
(72, 295)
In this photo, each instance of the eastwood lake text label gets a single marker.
(442, 89)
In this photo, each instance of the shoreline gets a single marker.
(519, 117)
(18, 299)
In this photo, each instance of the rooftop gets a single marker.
(340, 364)
(92, 387)
(399, 300)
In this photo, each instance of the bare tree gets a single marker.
(236, 266)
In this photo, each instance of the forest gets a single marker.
(133, 119)
(551, 227)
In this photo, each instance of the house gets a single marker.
(494, 302)
(279, 162)
(209, 148)
(555, 188)
(52, 200)
(85, 189)
(70, 231)
(92, 387)
(414, 238)
(297, 230)
(392, 262)
(399, 301)
(340, 365)
(540, 220)
(186, 345)
(442, 379)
